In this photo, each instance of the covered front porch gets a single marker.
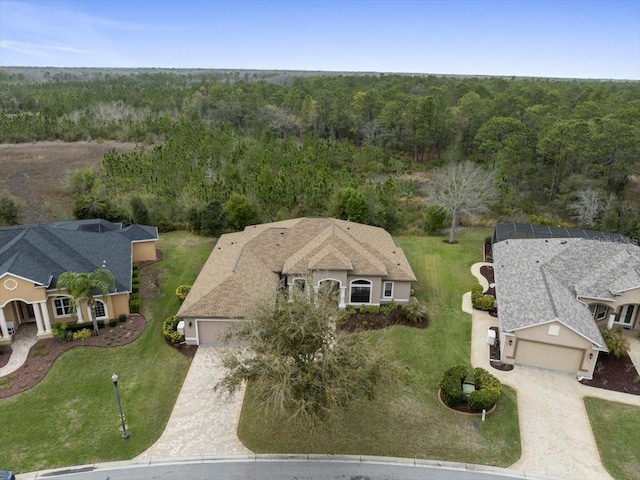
(15, 314)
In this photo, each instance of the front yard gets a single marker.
(408, 420)
(71, 416)
(616, 428)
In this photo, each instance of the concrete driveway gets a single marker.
(556, 434)
(203, 422)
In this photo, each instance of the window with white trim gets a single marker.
(101, 309)
(599, 311)
(62, 306)
(360, 291)
(387, 291)
(299, 284)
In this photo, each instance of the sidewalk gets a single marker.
(23, 340)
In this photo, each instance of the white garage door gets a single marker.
(548, 356)
(211, 332)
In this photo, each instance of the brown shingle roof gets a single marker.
(245, 266)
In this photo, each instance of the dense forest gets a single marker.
(223, 149)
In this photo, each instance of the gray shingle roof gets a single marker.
(245, 266)
(540, 280)
(42, 252)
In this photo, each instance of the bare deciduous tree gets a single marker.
(462, 188)
(587, 207)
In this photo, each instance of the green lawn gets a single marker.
(616, 428)
(407, 420)
(71, 417)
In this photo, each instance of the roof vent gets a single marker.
(563, 242)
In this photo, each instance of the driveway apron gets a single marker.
(554, 426)
(203, 422)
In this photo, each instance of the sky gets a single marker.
(540, 38)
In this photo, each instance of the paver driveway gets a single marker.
(556, 434)
(203, 422)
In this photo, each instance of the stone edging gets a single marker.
(468, 414)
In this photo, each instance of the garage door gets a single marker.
(549, 356)
(211, 332)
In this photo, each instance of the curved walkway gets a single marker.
(24, 339)
(555, 430)
(203, 422)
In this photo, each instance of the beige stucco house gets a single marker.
(33, 256)
(554, 295)
(361, 263)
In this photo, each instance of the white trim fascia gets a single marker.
(37, 284)
(624, 291)
(580, 297)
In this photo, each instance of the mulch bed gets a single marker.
(44, 353)
(487, 272)
(617, 374)
(358, 322)
(4, 358)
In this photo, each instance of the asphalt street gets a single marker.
(281, 470)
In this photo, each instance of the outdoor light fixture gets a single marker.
(125, 434)
(190, 324)
(511, 341)
(591, 356)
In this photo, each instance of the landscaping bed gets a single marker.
(358, 321)
(617, 374)
(6, 355)
(44, 353)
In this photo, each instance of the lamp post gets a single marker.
(114, 379)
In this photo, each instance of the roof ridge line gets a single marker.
(548, 288)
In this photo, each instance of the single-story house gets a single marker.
(361, 263)
(33, 256)
(555, 294)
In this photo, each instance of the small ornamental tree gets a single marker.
(182, 291)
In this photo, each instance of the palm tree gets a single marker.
(81, 287)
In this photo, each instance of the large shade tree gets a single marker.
(83, 286)
(299, 364)
(463, 188)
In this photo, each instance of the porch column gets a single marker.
(45, 316)
(343, 291)
(3, 324)
(36, 311)
(612, 317)
(89, 315)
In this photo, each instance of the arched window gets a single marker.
(360, 291)
(101, 309)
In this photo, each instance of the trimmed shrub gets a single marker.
(182, 291)
(122, 317)
(82, 334)
(415, 311)
(2, 349)
(481, 301)
(483, 399)
(451, 385)
(388, 308)
(74, 327)
(134, 306)
(112, 322)
(169, 329)
(370, 309)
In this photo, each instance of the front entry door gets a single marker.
(627, 315)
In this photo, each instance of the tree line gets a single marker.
(355, 145)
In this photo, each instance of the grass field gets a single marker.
(616, 428)
(71, 417)
(407, 420)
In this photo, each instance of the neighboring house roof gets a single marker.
(543, 280)
(246, 266)
(41, 252)
(513, 230)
